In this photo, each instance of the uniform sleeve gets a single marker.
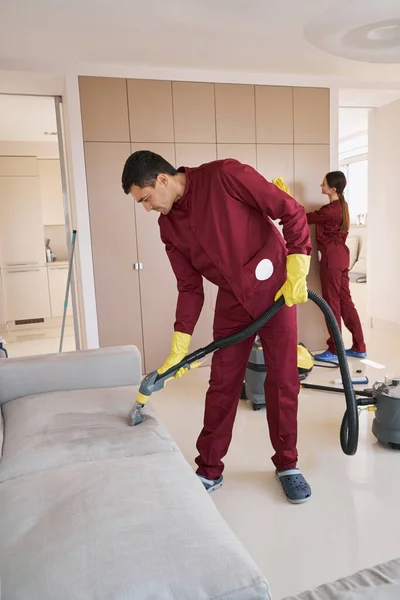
(246, 185)
(190, 290)
(318, 216)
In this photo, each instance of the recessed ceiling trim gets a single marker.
(367, 32)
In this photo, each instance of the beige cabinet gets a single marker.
(235, 113)
(167, 151)
(311, 163)
(51, 193)
(104, 108)
(244, 153)
(276, 160)
(194, 155)
(194, 112)
(21, 222)
(114, 245)
(280, 131)
(26, 293)
(18, 166)
(57, 276)
(150, 111)
(311, 115)
(274, 114)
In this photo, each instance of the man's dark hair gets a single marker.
(142, 169)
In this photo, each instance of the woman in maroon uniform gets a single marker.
(332, 227)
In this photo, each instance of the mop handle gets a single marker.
(71, 258)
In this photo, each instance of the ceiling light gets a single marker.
(364, 30)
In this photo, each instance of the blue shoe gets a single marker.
(353, 354)
(324, 356)
(211, 485)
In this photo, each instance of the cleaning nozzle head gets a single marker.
(136, 414)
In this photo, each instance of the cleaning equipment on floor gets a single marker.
(253, 385)
(384, 399)
(350, 427)
(359, 380)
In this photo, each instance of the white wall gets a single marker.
(383, 245)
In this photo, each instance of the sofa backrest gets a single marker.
(100, 368)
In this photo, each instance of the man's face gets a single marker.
(158, 198)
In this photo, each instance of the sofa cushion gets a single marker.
(50, 430)
(377, 583)
(139, 528)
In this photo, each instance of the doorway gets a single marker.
(36, 316)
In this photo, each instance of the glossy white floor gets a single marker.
(352, 519)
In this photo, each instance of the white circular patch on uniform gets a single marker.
(264, 269)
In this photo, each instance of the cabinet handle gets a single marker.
(24, 271)
(138, 266)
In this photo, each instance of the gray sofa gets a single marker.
(91, 508)
(377, 583)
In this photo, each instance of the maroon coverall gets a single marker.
(221, 229)
(334, 271)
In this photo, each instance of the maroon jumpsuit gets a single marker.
(221, 229)
(334, 271)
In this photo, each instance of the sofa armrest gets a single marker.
(100, 368)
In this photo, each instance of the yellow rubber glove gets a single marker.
(179, 349)
(280, 183)
(294, 290)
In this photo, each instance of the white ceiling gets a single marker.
(257, 36)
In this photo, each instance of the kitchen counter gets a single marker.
(57, 263)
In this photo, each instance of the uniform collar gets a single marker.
(183, 201)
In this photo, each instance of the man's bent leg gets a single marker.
(228, 369)
(282, 385)
(227, 373)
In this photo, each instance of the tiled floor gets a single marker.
(352, 520)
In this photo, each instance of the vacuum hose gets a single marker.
(349, 429)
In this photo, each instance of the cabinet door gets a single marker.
(57, 287)
(194, 112)
(235, 114)
(150, 111)
(26, 293)
(113, 234)
(104, 108)
(157, 281)
(51, 194)
(311, 115)
(18, 166)
(21, 222)
(310, 165)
